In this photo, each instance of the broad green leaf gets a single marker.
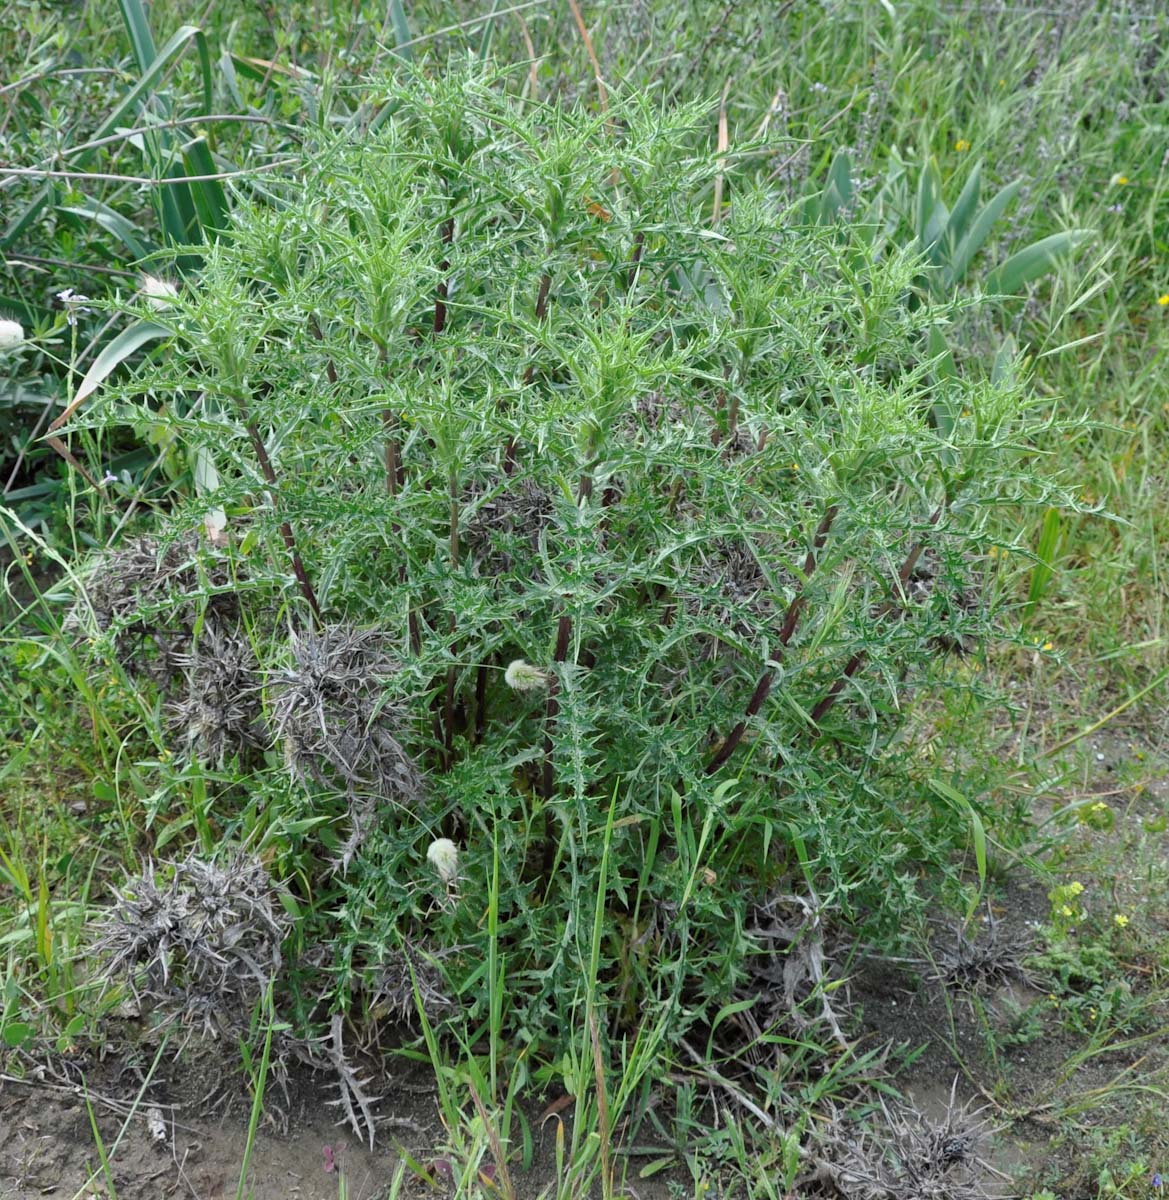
(838, 188)
(208, 196)
(939, 352)
(27, 216)
(1034, 261)
(1003, 371)
(402, 39)
(16, 1034)
(978, 232)
(116, 353)
(942, 411)
(929, 196)
(964, 209)
(135, 99)
(488, 31)
(133, 238)
(1045, 553)
(138, 28)
(977, 830)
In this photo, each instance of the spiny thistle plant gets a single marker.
(490, 400)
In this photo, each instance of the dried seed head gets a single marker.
(443, 855)
(521, 676)
(330, 711)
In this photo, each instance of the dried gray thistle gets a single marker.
(990, 959)
(500, 522)
(903, 1155)
(218, 713)
(353, 1100)
(330, 711)
(791, 970)
(393, 990)
(143, 596)
(202, 946)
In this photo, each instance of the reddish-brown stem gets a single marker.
(395, 471)
(509, 453)
(448, 236)
(480, 705)
(451, 674)
(858, 659)
(791, 619)
(302, 579)
(552, 705)
(541, 312)
(551, 711)
(315, 328)
(393, 466)
(635, 260)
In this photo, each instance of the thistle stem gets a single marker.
(858, 659)
(269, 473)
(763, 687)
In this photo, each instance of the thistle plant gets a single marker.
(330, 715)
(198, 941)
(572, 505)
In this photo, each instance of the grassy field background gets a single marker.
(1045, 1009)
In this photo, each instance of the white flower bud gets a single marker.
(523, 677)
(158, 293)
(11, 335)
(444, 857)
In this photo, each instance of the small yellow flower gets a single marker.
(961, 145)
(1075, 888)
(1163, 299)
(1065, 911)
(1121, 920)
(1099, 806)
(1048, 645)
(1119, 180)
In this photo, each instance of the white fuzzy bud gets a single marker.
(444, 857)
(11, 335)
(158, 293)
(523, 677)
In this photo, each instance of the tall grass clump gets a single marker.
(585, 558)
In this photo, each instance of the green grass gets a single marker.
(1072, 106)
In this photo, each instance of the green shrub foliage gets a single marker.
(490, 385)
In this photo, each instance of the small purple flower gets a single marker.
(1158, 1184)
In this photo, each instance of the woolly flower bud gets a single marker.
(523, 677)
(159, 293)
(444, 857)
(11, 334)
